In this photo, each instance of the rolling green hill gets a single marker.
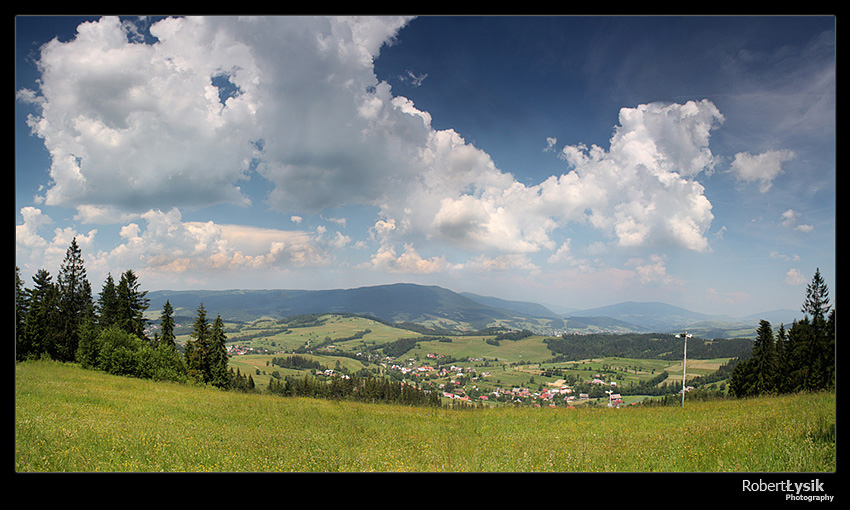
(441, 308)
(393, 303)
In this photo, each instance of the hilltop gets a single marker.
(441, 308)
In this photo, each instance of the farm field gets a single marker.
(73, 420)
(482, 367)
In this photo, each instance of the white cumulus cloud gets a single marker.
(133, 128)
(764, 167)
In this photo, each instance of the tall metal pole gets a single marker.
(684, 369)
(684, 335)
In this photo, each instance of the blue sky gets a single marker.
(571, 161)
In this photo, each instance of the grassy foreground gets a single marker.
(74, 420)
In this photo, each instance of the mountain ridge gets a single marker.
(440, 307)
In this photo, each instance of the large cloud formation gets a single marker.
(135, 128)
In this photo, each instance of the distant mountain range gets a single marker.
(442, 308)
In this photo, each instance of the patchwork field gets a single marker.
(352, 343)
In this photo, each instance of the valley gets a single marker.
(369, 385)
(471, 368)
(469, 348)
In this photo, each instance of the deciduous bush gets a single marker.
(122, 353)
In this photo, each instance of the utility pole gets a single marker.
(684, 335)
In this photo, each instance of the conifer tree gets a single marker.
(197, 347)
(88, 349)
(107, 303)
(218, 355)
(167, 337)
(802, 358)
(764, 361)
(821, 348)
(797, 355)
(131, 305)
(20, 306)
(74, 301)
(817, 304)
(42, 320)
(783, 361)
(829, 351)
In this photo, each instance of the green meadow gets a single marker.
(68, 419)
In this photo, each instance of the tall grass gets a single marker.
(73, 420)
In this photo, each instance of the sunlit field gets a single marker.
(74, 420)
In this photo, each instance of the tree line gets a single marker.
(63, 321)
(297, 362)
(572, 347)
(360, 389)
(801, 358)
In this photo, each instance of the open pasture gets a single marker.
(73, 420)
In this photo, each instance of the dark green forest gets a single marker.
(571, 347)
(63, 321)
(801, 358)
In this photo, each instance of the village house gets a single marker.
(614, 400)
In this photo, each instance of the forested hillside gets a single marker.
(649, 345)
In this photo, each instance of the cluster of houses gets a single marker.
(329, 372)
(597, 380)
(557, 391)
(425, 370)
(240, 350)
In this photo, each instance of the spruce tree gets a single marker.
(167, 337)
(198, 347)
(764, 361)
(817, 304)
(218, 355)
(829, 351)
(74, 301)
(814, 340)
(801, 359)
(107, 304)
(782, 360)
(797, 355)
(821, 348)
(21, 306)
(88, 349)
(131, 305)
(42, 321)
